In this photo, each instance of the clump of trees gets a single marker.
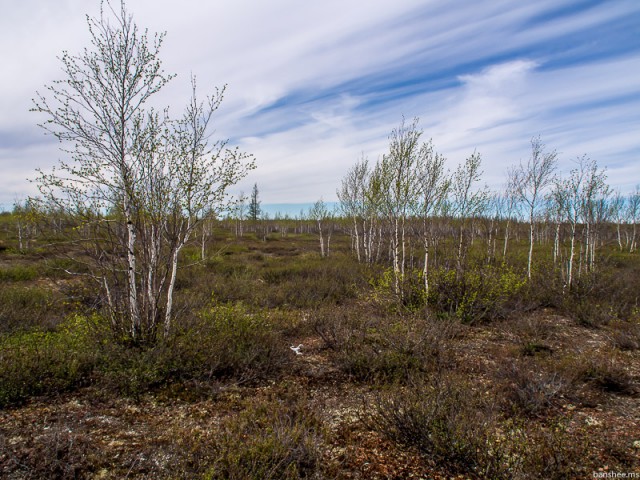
(408, 206)
(138, 182)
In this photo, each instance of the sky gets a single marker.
(313, 86)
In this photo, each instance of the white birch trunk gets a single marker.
(134, 311)
(531, 239)
(172, 283)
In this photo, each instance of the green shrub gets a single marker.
(473, 295)
(37, 363)
(273, 440)
(18, 273)
(225, 341)
(23, 308)
(410, 295)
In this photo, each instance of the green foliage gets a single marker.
(18, 273)
(226, 341)
(411, 293)
(473, 295)
(243, 344)
(37, 363)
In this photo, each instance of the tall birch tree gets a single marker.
(138, 183)
(531, 182)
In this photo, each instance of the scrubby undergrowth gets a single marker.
(486, 375)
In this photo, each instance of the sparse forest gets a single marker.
(154, 326)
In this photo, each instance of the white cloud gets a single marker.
(479, 74)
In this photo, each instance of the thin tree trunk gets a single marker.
(556, 244)
(395, 252)
(172, 283)
(506, 239)
(571, 255)
(322, 252)
(425, 271)
(531, 238)
(355, 228)
(134, 311)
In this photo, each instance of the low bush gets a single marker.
(225, 341)
(58, 452)
(528, 387)
(625, 335)
(485, 292)
(18, 273)
(370, 346)
(595, 298)
(39, 363)
(605, 372)
(608, 374)
(27, 308)
(271, 440)
(304, 281)
(446, 420)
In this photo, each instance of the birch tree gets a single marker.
(618, 205)
(353, 203)
(468, 200)
(531, 181)
(138, 183)
(321, 215)
(431, 195)
(398, 174)
(510, 206)
(573, 195)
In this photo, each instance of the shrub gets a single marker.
(608, 374)
(444, 420)
(605, 372)
(625, 335)
(36, 363)
(484, 293)
(529, 388)
(369, 346)
(27, 308)
(274, 440)
(447, 421)
(595, 298)
(411, 295)
(18, 273)
(225, 341)
(58, 452)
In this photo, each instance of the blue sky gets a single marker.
(314, 85)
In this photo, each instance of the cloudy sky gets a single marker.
(314, 85)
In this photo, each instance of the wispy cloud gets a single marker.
(313, 85)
